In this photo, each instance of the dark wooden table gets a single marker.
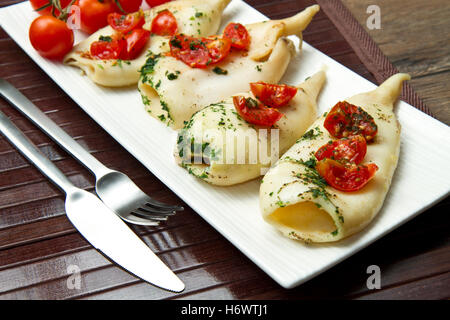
(38, 243)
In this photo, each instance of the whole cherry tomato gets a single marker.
(94, 14)
(154, 3)
(127, 6)
(164, 24)
(51, 37)
(36, 4)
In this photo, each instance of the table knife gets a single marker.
(101, 227)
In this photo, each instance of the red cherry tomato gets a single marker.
(108, 48)
(199, 52)
(273, 95)
(346, 120)
(154, 3)
(164, 24)
(126, 23)
(255, 112)
(218, 48)
(127, 6)
(190, 50)
(346, 178)
(126, 47)
(94, 14)
(238, 35)
(51, 37)
(346, 150)
(135, 42)
(36, 4)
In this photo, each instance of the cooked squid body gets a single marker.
(194, 17)
(304, 210)
(174, 101)
(220, 147)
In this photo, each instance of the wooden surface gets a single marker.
(415, 36)
(37, 242)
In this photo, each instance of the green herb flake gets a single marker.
(149, 65)
(172, 76)
(220, 71)
(105, 38)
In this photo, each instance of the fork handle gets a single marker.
(23, 104)
(32, 153)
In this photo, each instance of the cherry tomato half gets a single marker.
(126, 23)
(108, 48)
(346, 120)
(36, 4)
(346, 178)
(218, 48)
(199, 52)
(346, 150)
(190, 50)
(51, 37)
(136, 41)
(238, 35)
(273, 95)
(255, 112)
(164, 24)
(94, 14)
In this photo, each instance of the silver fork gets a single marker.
(114, 188)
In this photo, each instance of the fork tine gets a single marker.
(149, 216)
(159, 205)
(157, 211)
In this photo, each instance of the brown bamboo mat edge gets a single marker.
(367, 50)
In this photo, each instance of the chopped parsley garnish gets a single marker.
(120, 61)
(251, 103)
(105, 38)
(311, 134)
(220, 71)
(174, 42)
(145, 100)
(149, 66)
(172, 76)
(280, 203)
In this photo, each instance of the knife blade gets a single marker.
(96, 222)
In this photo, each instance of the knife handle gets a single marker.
(32, 153)
(23, 104)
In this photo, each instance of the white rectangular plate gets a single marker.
(421, 178)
